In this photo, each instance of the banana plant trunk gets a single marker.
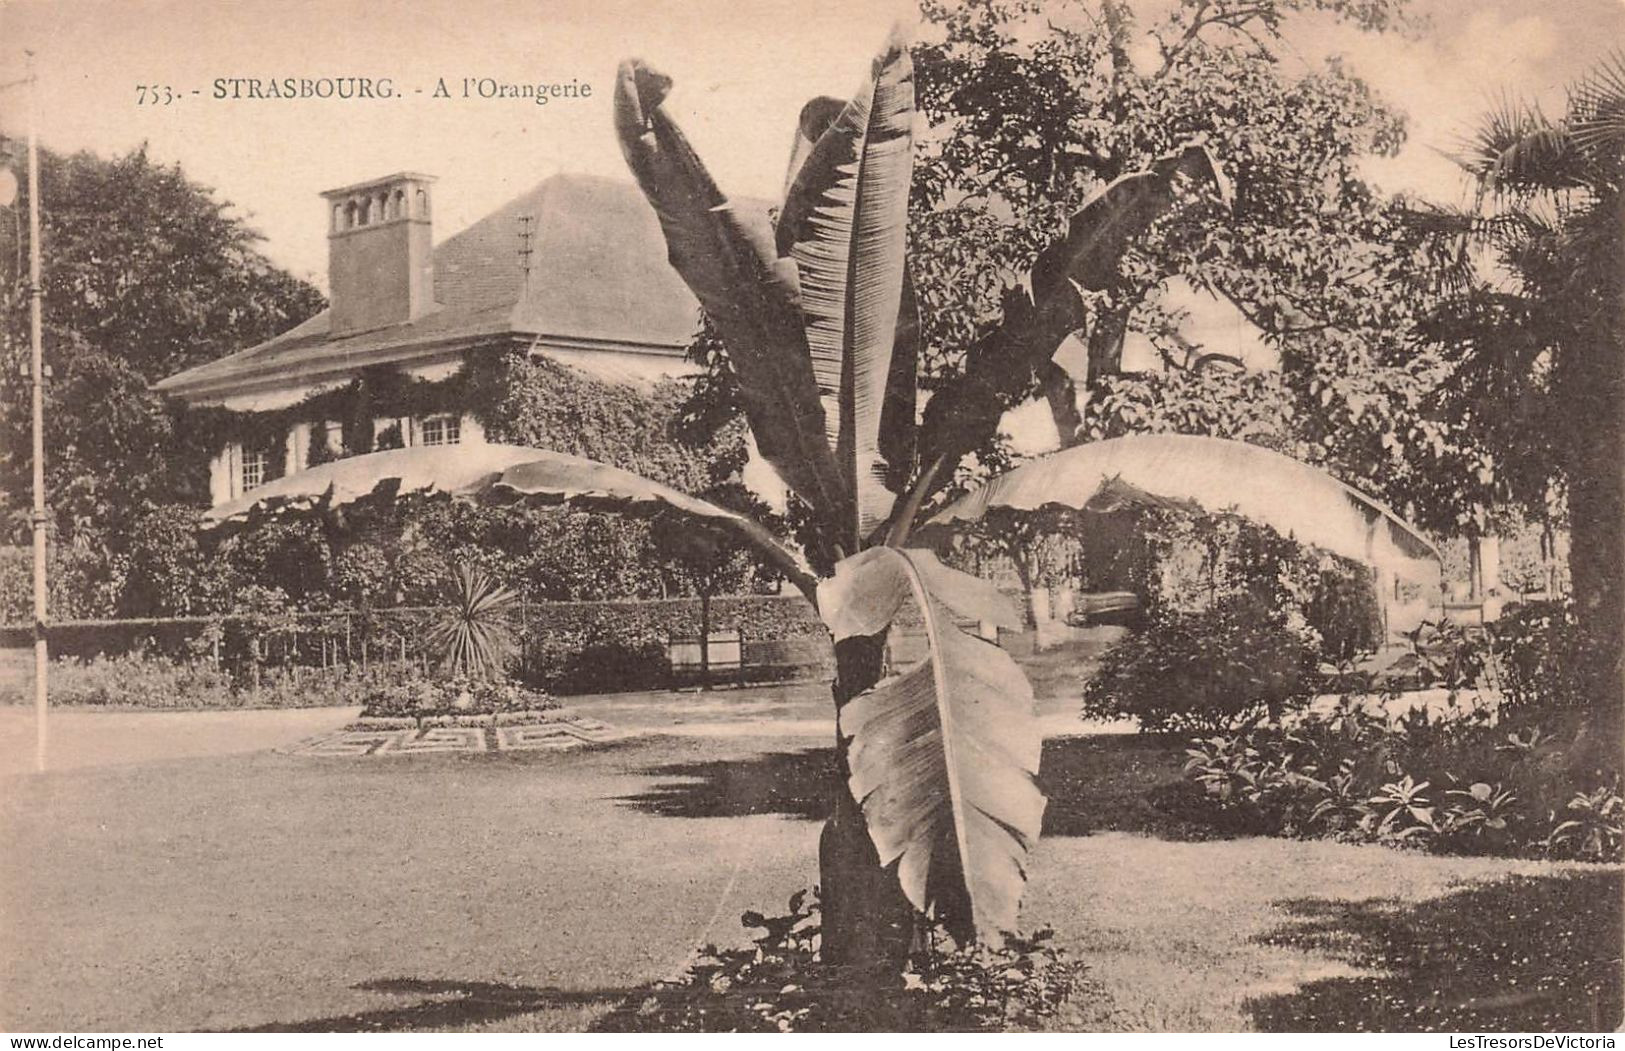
(868, 924)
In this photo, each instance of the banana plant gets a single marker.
(939, 760)
(938, 808)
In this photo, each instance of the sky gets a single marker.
(742, 70)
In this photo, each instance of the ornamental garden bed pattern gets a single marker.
(376, 737)
(420, 716)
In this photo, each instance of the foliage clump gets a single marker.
(423, 698)
(781, 984)
(158, 682)
(1535, 650)
(1450, 783)
(1203, 670)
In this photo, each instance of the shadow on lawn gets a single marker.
(449, 1005)
(795, 784)
(1522, 954)
(1107, 782)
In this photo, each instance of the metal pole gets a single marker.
(37, 371)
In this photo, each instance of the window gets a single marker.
(255, 464)
(441, 430)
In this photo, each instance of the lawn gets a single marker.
(531, 892)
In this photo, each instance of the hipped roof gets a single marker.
(598, 279)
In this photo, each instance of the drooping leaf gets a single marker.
(1213, 475)
(844, 224)
(442, 468)
(1000, 367)
(727, 258)
(943, 757)
(498, 473)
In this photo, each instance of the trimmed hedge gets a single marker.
(566, 648)
(158, 682)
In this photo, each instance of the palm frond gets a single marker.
(1597, 109)
(1517, 151)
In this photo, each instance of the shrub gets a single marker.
(1536, 658)
(1442, 654)
(1591, 826)
(152, 681)
(780, 984)
(142, 682)
(1449, 783)
(1203, 671)
(598, 660)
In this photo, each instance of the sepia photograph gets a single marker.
(873, 516)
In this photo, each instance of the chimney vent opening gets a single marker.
(380, 263)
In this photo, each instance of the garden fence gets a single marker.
(572, 646)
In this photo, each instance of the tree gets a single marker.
(1033, 115)
(145, 273)
(1033, 110)
(937, 806)
(1539, 347)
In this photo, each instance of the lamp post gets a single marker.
(37, 377)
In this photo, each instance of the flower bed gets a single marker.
(1534, 786)
(455, 702)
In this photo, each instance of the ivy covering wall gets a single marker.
(400, 554)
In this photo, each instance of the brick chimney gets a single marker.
(380, 258)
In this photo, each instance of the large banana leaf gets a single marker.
(898, 429)
(844, 224)
(503, 474)
(942, 757)
(815, 119)
(1000, 368)
(1214, 475)
(727, 258)
(443, 468)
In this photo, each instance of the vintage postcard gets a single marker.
(638, 516)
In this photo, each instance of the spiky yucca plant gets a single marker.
(474, 636)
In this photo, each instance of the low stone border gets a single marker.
(551, 735)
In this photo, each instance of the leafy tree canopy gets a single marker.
(1035, 107)
(145, 272)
